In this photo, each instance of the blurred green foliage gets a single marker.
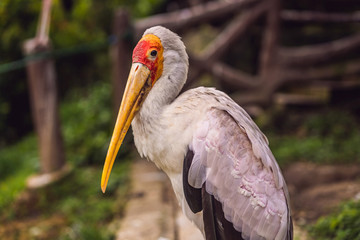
(80, 200)
(86, 118)
(21, 155)
(86, 126)
(343, 224)
(73, 23)
(329, 136)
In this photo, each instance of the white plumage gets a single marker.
(231, 160)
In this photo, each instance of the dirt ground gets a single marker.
(316, 190)
(33, 227)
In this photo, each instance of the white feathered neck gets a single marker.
(173, 78)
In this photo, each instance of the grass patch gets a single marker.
(341, 225)
(17, 162)
(77, 200)
(323, 137)
(80, 200)
(316, 149)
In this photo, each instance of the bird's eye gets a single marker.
(153, 53)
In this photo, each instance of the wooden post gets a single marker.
(270, 44)
(43, 96)
(269, 59)
(120, 54)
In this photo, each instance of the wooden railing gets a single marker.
(278, 65)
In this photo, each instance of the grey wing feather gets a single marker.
(234, 160)
(216, 227)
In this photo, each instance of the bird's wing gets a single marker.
(216, 227)
(230, 160)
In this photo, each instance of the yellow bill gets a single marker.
(137, 87)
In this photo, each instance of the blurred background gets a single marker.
(293, 65)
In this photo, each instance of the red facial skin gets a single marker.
(141, 54)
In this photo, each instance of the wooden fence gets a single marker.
(278, 66)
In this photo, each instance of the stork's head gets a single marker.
(155, 55)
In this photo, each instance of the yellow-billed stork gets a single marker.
(223, 173)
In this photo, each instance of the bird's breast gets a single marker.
(163, 141)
